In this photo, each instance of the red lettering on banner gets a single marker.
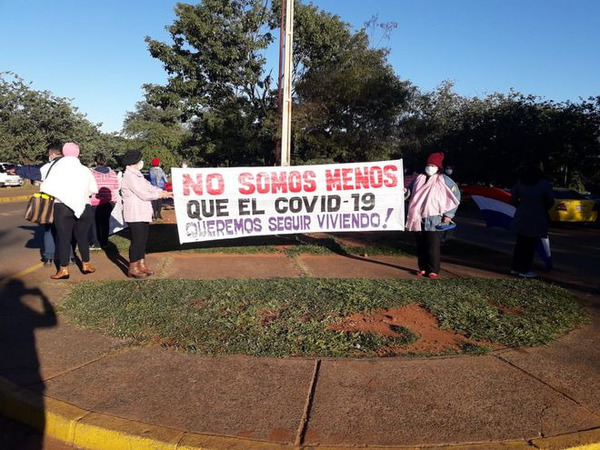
(277, 182)
(347, 179)
(391, 178)
(333, 180)
(361, 178)
(310, 185)
(295, 181)
(376, 177)
(263, 183)
(245, 180)
(214, 184)
(195, 185)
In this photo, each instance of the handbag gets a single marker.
(40, 207)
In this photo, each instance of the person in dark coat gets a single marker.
(533, 196)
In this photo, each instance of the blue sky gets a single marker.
(94, 51)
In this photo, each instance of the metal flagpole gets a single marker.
(286, 118)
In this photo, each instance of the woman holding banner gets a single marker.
(433, 200)
(138, 194)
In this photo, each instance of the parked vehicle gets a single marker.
(6, 179)
(572, 206)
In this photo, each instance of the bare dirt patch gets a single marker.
(431, 339)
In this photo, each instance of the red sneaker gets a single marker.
(420, 273)
(433, 276)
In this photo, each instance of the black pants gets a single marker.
(67, 227)
(157, 208)
(99, 231)
(523, 253)
(428, 250)
(139, 239)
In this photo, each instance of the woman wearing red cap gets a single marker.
(158, 178)
(433, 200)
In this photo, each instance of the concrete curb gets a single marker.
(20, 198)
(95, 431)
(87, 429)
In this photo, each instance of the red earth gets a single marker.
(431, 339)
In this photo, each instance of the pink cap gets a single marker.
(70, 149)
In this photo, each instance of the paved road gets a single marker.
(575, 247)
(19, 240)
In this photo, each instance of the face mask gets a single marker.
(449, 172)
(140, 165)
(430, 170)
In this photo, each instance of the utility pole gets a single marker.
(286, 115)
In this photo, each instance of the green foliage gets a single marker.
(283, 317)
(489, 139)
(158, 133)
(348, 106)
(31, 121)
(218, 84)
(347, 100)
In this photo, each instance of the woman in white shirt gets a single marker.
(71, 184)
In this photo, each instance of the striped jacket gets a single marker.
(108, 186)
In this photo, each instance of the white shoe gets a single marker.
(529, 274)
(514, 272)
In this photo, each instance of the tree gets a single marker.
(157, 132)
(32, 120)
(216, 77)
(489, 139)
(347, 98)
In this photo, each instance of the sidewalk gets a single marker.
(98, 392)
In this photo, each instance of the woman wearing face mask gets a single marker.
(138, 194)
(433, 200)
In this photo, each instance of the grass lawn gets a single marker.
(293, 316)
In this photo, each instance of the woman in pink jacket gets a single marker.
(138, 194)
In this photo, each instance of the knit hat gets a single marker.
(436, 159)
(131, 157)
(155, 162)
(70, 149)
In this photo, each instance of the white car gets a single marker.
(7, 179)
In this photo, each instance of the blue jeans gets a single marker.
(49, 247)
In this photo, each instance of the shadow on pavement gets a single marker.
(22, 311)
(113, 254)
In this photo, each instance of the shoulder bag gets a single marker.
(40, 207)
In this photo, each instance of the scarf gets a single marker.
(431, 196)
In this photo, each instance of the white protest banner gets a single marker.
(223, 203)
